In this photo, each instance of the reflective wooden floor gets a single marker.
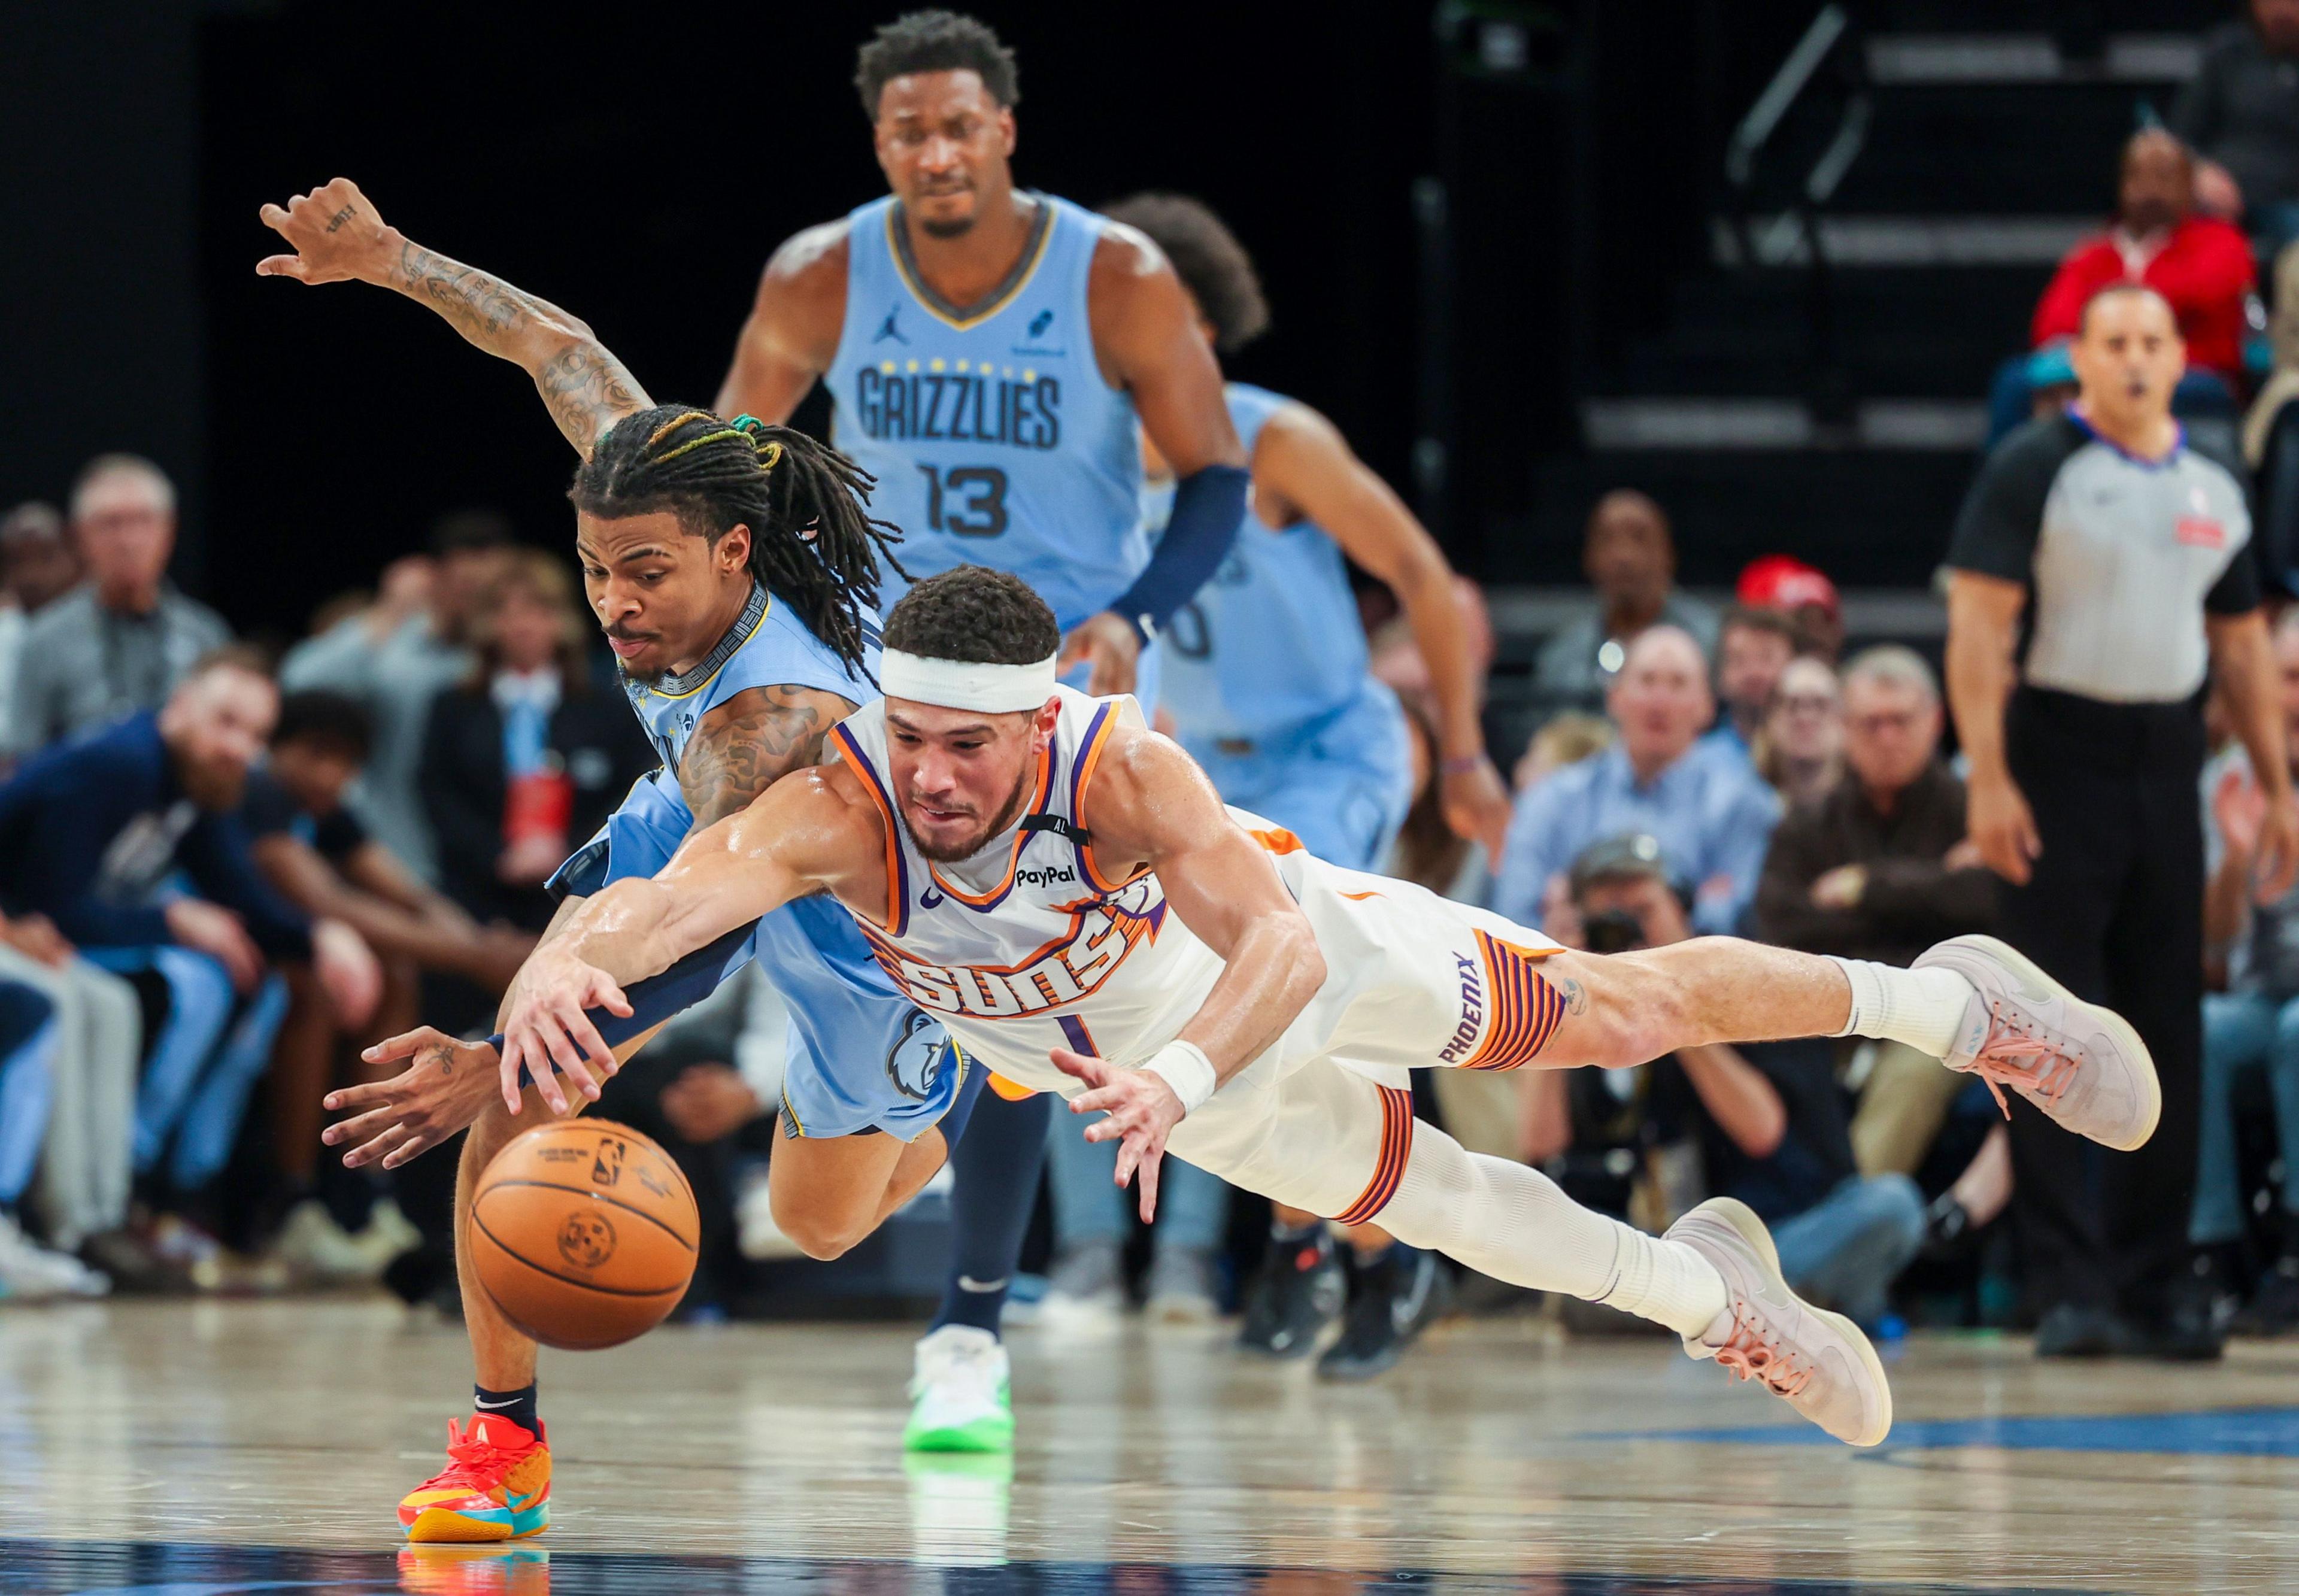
(216, 1447)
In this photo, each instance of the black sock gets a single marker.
(993, 1186)
(517, 1406)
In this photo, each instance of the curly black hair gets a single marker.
(1206, 256)
(332, 721)
(935, 41)
(974, 615)
(812, 540)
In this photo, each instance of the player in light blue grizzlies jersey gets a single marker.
(993, 355)
(735, 571)
(1268, 683)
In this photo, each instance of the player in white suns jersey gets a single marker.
(1068, 893)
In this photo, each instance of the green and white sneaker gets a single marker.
(959, 1400)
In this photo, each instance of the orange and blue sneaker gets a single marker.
(496, 1486)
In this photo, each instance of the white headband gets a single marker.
(956, 685)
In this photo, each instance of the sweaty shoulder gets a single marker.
(1132, 296)
(1142, 796)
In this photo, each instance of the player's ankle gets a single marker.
(517, 1406)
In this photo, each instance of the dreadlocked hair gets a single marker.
(813, 542)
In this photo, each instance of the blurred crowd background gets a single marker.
(302, 704)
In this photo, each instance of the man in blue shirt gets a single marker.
(99, 834)
(1712, 817)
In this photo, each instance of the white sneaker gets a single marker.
(388, 1232)
(1085, 1293)
(1819, 1363)
(313, 1244)
(1181, 1288)
(2082, 1064)
(959, 1392)
(31, 1273)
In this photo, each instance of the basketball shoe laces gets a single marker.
(1753, 1352)
(474, 1463)
(2046, 1071)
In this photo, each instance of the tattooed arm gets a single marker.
(338, 236)
(746, 744)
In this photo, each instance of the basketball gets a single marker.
(583, 1233)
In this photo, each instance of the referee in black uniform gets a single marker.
(2124, 551)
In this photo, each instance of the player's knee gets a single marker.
(820, 1237)
(1636, 1013)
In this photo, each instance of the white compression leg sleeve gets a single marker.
(1516, 1224)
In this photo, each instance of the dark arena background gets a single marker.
(1829, 481)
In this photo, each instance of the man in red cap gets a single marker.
(1780, 582)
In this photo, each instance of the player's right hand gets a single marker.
(2003, 828)
(446, 1086)
(337, 235)
(546, 1030)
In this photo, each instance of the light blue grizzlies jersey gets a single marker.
(861, 1055)
(1266, 676)
(992, 435)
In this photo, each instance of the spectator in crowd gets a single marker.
(1879, 867)
(1085, 1288)
(2201, 265)
(1630, 559)
(396, 657)
(116, 644)
(2270, 436)
(1804, 594)
(2240, 114)
(1713, 815)
(28, 1271)
(2098, 573)
(1753, 647)
(1768, 1119)
(524, 759)
(37, 567)
(93, 835)
(1562, 740)
(316, 854)
(2253, 1025)
(1799, 752)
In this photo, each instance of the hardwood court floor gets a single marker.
(223, 1446)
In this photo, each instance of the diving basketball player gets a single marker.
(993, 355)
(1065, 888)
(1271, 692)
(735, 572)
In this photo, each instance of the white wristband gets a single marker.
(1185, 1066)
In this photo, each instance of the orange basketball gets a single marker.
(583, 1233)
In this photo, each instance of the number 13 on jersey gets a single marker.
(969, 500)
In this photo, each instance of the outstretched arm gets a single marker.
(805, 832)
(338, 236)
(1151, 804)
(1304, 457)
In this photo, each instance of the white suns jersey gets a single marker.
(1028, 946)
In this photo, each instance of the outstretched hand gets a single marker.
(337, 235)
(446, 1086)
(544, 1026)
(1142, 1110)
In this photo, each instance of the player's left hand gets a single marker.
(1142, 1110)
(2278, 861)
(1109, 646)
(1476, 803)
(336, 234)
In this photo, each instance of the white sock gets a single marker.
(1516, 1224)
(1923, 1008)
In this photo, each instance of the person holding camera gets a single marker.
(1767, 1121)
